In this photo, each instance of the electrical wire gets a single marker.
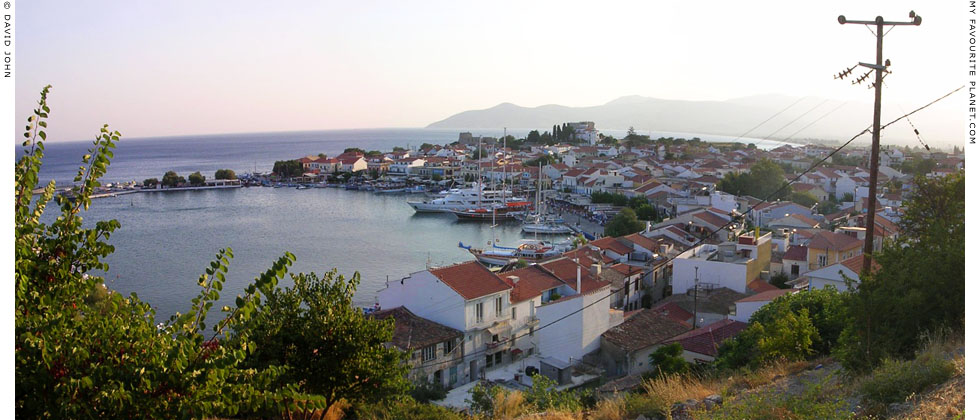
(796, 119)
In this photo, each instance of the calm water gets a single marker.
(167, 239)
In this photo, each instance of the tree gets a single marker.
(196, 179)
(919, 287)
(150, 183)
(171, 179)
(397, 149)
(314, 332)
(648, 213)
(225, 174)
(827, 207)
(425, 146)
(847, 197)
(624, 223)
(354, 150)
(84, 352)
(544, 160)
(373, 153)
(667, 360)
(765, 177)
(287, 168)
(803, 198)
(534, 137)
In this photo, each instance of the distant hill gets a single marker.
(732, 117)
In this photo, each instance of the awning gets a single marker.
(515, 352)
(498, 327)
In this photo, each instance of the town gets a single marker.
(716, 247)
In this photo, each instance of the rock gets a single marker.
(642, 417)
(818, 366)
(711, 401)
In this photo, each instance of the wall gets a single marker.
(744, 310)
(723, 274)
(426, 296)
(563, 339)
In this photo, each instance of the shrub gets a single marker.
(667, 360)
(816, 403)
(427, 391)
(896, 380)
(404, 409)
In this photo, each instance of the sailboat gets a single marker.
(538, 222)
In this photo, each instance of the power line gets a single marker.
(767, 119)
(700, 241)
(813, 122)
(796, 119)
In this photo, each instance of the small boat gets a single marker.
(528, 250)
(507, 210)
(547, 228)
(302, 187)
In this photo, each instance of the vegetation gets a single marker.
(919, 287)
(817, 402)
(196, 179)
(544, 160)
(667, 360)
(150, 182)
(918, 166)
(803, 198)
(896, 380)
(600, 197)
(171, 179)
(355, 150)
(425, 391)
(287, 168)
(225, 174)
(765, 177)
(497, 402)
(624, 223)
(80, 353)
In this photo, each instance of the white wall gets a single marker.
(563, 339)
(744, 310)
(723, 274)
(426, 296)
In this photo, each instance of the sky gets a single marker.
(191, 67)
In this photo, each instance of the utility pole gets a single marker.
(694, 324)
(880, 69)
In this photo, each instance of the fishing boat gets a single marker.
(530, 250)
(302, 187)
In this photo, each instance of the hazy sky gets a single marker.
(152, 68)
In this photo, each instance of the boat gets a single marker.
(302, 187)
(460, 199)
(530, 250)
(547, 228)
(542, 223)
(505, 210)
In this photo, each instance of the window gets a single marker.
(500, 306)
(821, 260)
(428, 353)
(495, 338)
(795, 270)
(513, 313)
(479, 312)
(530, 332)
(447, 347)
(636, 288)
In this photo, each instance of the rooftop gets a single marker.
(643, 330)
(413, 331)
(470, 279)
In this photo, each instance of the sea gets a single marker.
(166, 240)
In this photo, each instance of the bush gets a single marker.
(225, 174)
(427, 391)
(896, 380)
(196, 179)
(667, 360)
(816, 403)
(404, 409)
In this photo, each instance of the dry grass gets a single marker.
(610, 409)
(766, 374)
(948, 400)
(677, 388)
(336, 410)
(508, 405)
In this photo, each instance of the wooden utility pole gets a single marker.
(879, 68)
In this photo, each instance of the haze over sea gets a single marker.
(167, 239)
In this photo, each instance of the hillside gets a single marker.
(731, 117)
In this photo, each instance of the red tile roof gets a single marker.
(712, 219)
(766, 296)
(674, 311)
(567, 271)
(645, 329)
(415, 332)
(705, 340)
(805, 219)
(833, 241)
(532, 282)
(760, 285)
(643, 242)
(856, 263)
(795, 253)
(626, 269)
(470, 279)
(612, 244)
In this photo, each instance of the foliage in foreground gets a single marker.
(818, 402)
(624, 223)
(920, 287)
(84, 352)
(896, 380)
(497, 402)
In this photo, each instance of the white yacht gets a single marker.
(462, 199)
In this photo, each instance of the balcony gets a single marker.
(505, 343)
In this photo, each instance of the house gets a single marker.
(765, 213)
(828, 248)
(625, 349)
(466, 297)
(436, 350)
(404, 167)
(793, 221)
(744, 308)
(795, 261)
(701, 345)
(732, 265)
(710, 305)
(577, 320)
(836, 275)
(352, 162)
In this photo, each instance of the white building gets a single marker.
(732, 264)
(744, 308)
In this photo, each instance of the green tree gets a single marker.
(624, 223)
(534, 137)
(354, 150)
(827, 207)
(790, 337)
(803, 198)
(826, 309)
(667, 360)
(80, 353)
(314, 332)
(426, 146)
(847, 197)
(225, 174)
(150, 183)
(648, 213)
(919, 287)
(171, 179)
(287, 168)
(196, 179)
(544, 160)
(765, 177)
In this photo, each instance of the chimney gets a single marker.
(649, 226)
(578, 277)
(514, 279)
(596, 269)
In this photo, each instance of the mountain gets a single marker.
(733, 117)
